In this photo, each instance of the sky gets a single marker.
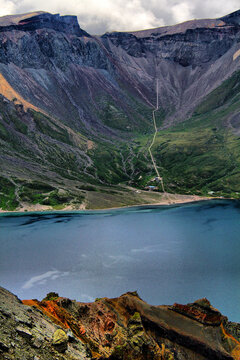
(100, 16)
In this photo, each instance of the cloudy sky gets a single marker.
(99, 16)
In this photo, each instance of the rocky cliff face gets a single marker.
(232, 19)
(120, 328)
(66, 24)
(194, 47)
(47, 57)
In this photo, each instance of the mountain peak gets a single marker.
(233, 18)
(15, 19)
(40, 20)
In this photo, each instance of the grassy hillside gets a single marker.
(203, 153)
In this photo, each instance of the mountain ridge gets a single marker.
(102, 91)
(232, 18)
(39, 20)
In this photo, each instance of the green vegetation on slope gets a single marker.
(46, 126)
(132, 116)
(229, 89)
(199, 160)
(203, 153)
(7, 195)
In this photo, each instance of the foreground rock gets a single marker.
(60, 340)
(27, 333)
(120, 328)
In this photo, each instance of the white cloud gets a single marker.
(151, 249)
(86, 298)
(42, 278)
(146, 249)
(182, 12)
(6, 7)
(115, 259)
(106, 15)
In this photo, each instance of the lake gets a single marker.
(168, 254)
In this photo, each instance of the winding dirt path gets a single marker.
(153, 140)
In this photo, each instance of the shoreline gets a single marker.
(68, 209)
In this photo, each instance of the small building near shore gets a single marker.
(150, 188)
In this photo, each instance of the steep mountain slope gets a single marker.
(78, 108)
(120, 328)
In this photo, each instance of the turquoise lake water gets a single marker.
(168, 254)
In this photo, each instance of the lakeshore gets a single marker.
(166, 199)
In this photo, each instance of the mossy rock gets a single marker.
(51, 296)
(98, 299)
(136, 317)
(60, 340)
(118, 352)
(135, 320)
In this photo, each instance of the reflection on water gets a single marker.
(169, 254)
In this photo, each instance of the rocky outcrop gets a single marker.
(120, 328)
(233, 18)
(194, 47)
(26, 333)
(201, 310)
(66, 24)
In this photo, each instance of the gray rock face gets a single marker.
(49, 49)
(32, 341)
(24, 332)
(233, 18)
(66, 24)
(191, 48)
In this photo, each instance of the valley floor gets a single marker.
(120, 199)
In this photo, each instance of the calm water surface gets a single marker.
(168, 254)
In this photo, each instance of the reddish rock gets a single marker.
(201, 310)
(129, 328)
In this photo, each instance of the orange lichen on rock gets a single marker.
(232, 343)
(236, 353)
(52, 310)
(7, 90)
(30, 302)
(59, 315)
